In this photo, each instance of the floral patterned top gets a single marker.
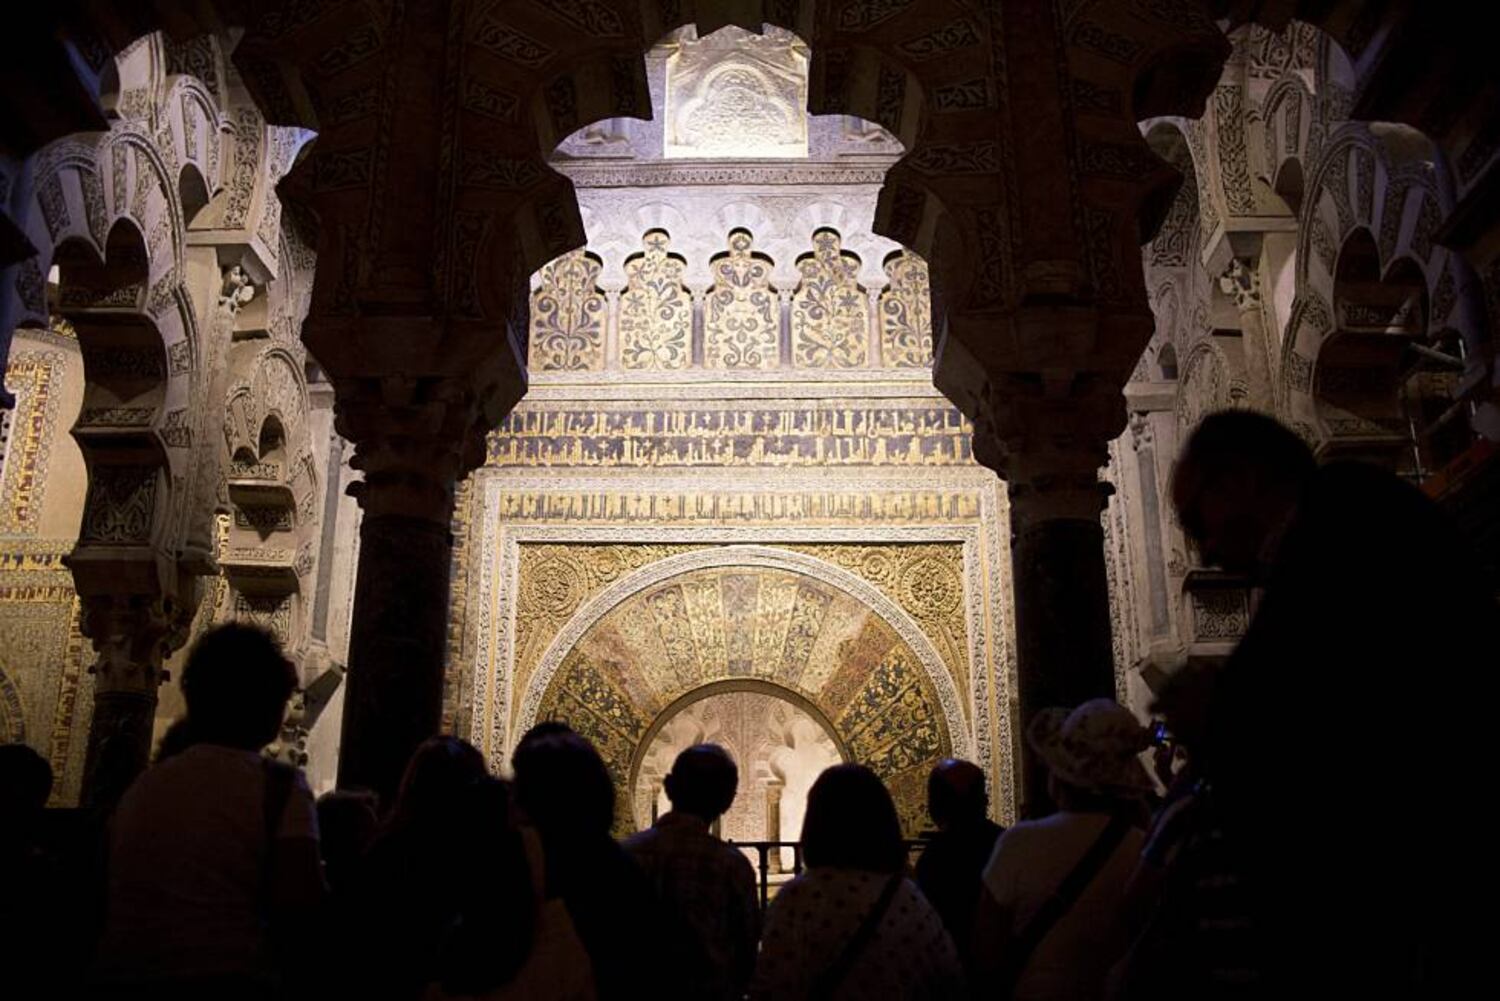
(815, 916)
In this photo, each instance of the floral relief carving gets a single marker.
(567, 316)
(741, 322)
(906, 314)
(830, 312)
(656, 313)
(121, 503)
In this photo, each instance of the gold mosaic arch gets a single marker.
(753, 621)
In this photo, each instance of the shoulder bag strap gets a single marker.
(832, 976)
(1057, 905)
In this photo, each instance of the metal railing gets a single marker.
(763, 866)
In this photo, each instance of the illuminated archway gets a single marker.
(748, 614)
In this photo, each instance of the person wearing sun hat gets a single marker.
(1051, 921)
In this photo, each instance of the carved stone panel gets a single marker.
(567, 316)
(121, 505)
(830, 312)
(656, 312)
(734, 93)
(741, 325)
(906, 314)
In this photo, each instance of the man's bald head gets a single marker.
(956, 794)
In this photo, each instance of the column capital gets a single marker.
(414, 439)
(1141, 433)
(132, 634)
(1049, 445)
(1241, 282)
(1057, 485)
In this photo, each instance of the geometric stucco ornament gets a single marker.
(737, 94)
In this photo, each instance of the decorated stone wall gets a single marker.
(160, 322)
(731, 468)
(1297, 273)
(45, 698)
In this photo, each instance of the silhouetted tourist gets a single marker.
(25, 784)
(1051, 921)
(1188, 900)
(711, 885)
(505, 940)
(949, 870)
(541, 729)
(1369, 604)
(178, 737)
(564, 789)
(347, 822)
(34, 904)
(852, 926)
(411, 880)
(213, 853)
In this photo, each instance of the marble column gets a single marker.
(396, 649)
(1064, 653)
(414, 438)
(774, 790)
(132, 635)
(399, 627)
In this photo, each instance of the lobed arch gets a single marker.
(1373, 370)
(1178, 241)
(605, 78)
(272, 386)
(127, 424)
(1287, 116)
(271, 487)
(1208, 381)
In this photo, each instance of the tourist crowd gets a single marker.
(1250, 845)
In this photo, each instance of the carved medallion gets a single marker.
(739, 94)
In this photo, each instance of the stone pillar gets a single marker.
(397, 643)
(413, 440)
(1063, 642)
(774, 790)
(784, 325)
(132, 635)
(1143, 441)
(698, 332)
(877, 358)
(612, 328)
(1241, 282)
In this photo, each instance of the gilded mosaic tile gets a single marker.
(35, 377)
(620, 676)
(48, 704)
